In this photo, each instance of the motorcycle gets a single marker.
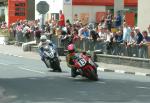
(51, 58)
(85, 66)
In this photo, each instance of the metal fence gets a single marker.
(91, 45)
(105, 47)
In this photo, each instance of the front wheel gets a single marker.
(55, 64)
(92, 74)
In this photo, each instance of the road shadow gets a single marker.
(68, 90)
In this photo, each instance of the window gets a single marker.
(20, 9)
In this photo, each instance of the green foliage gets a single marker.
(4, 32)
(2, 18)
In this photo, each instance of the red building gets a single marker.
(20, 10)
(17, 10)
(103, 2)
(129, 5)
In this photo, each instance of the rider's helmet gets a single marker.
(71, 48)
(43, 38)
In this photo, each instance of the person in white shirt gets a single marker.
(131, 44)
(126, 32)
(84, 34)
(102, 38)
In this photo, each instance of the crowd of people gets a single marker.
(112, 35)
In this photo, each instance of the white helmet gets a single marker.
(43, 38)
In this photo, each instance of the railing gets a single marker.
(105, 47)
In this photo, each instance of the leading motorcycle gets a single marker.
(85, 66)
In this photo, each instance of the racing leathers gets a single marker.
(70, 63)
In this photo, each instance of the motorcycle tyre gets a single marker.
(93, 74)
(56, 65)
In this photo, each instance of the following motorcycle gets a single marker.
(51, 58)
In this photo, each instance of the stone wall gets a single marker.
(129, 61)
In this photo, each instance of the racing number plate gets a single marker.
(82, 62)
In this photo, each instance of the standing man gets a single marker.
(126, 32)
(139, 39)
(126, 36)
(61, 22)
(118, 20)
(84, 34)
(109, 20)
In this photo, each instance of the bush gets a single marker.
(2, 18)
(4, 32)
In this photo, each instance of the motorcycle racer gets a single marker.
(71, 56)
(44, 42)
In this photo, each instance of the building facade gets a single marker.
(93, 10)
(143, 14)
(3, 9)
(87, 10)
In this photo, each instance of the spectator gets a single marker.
(139, 36)
(108, 46)
(26, 32)
(19, 34)
(84, 34)
(118, 20)
(126, 32)
(75, 37)
(76, 19)
(109, 20)
(146, 38)
(47, 27)
(61, 22)
(37, 34)
(139, 39)
(102, 36)
(131, 44)
(117, 40)
(4, 25)
(93, 37)
(143, 45)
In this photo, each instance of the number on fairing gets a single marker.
(82, 62)
(51, 55)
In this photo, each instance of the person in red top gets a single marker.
(61, 22)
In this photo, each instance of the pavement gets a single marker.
(17, 51)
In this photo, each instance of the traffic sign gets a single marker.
(42, 7)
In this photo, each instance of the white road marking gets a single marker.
(20, 56)
(11, 54)
(138, 73)
(23, 68)
(3, 64)
(119, 71)
(101, 69)
(143, 87)
(101, 82)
